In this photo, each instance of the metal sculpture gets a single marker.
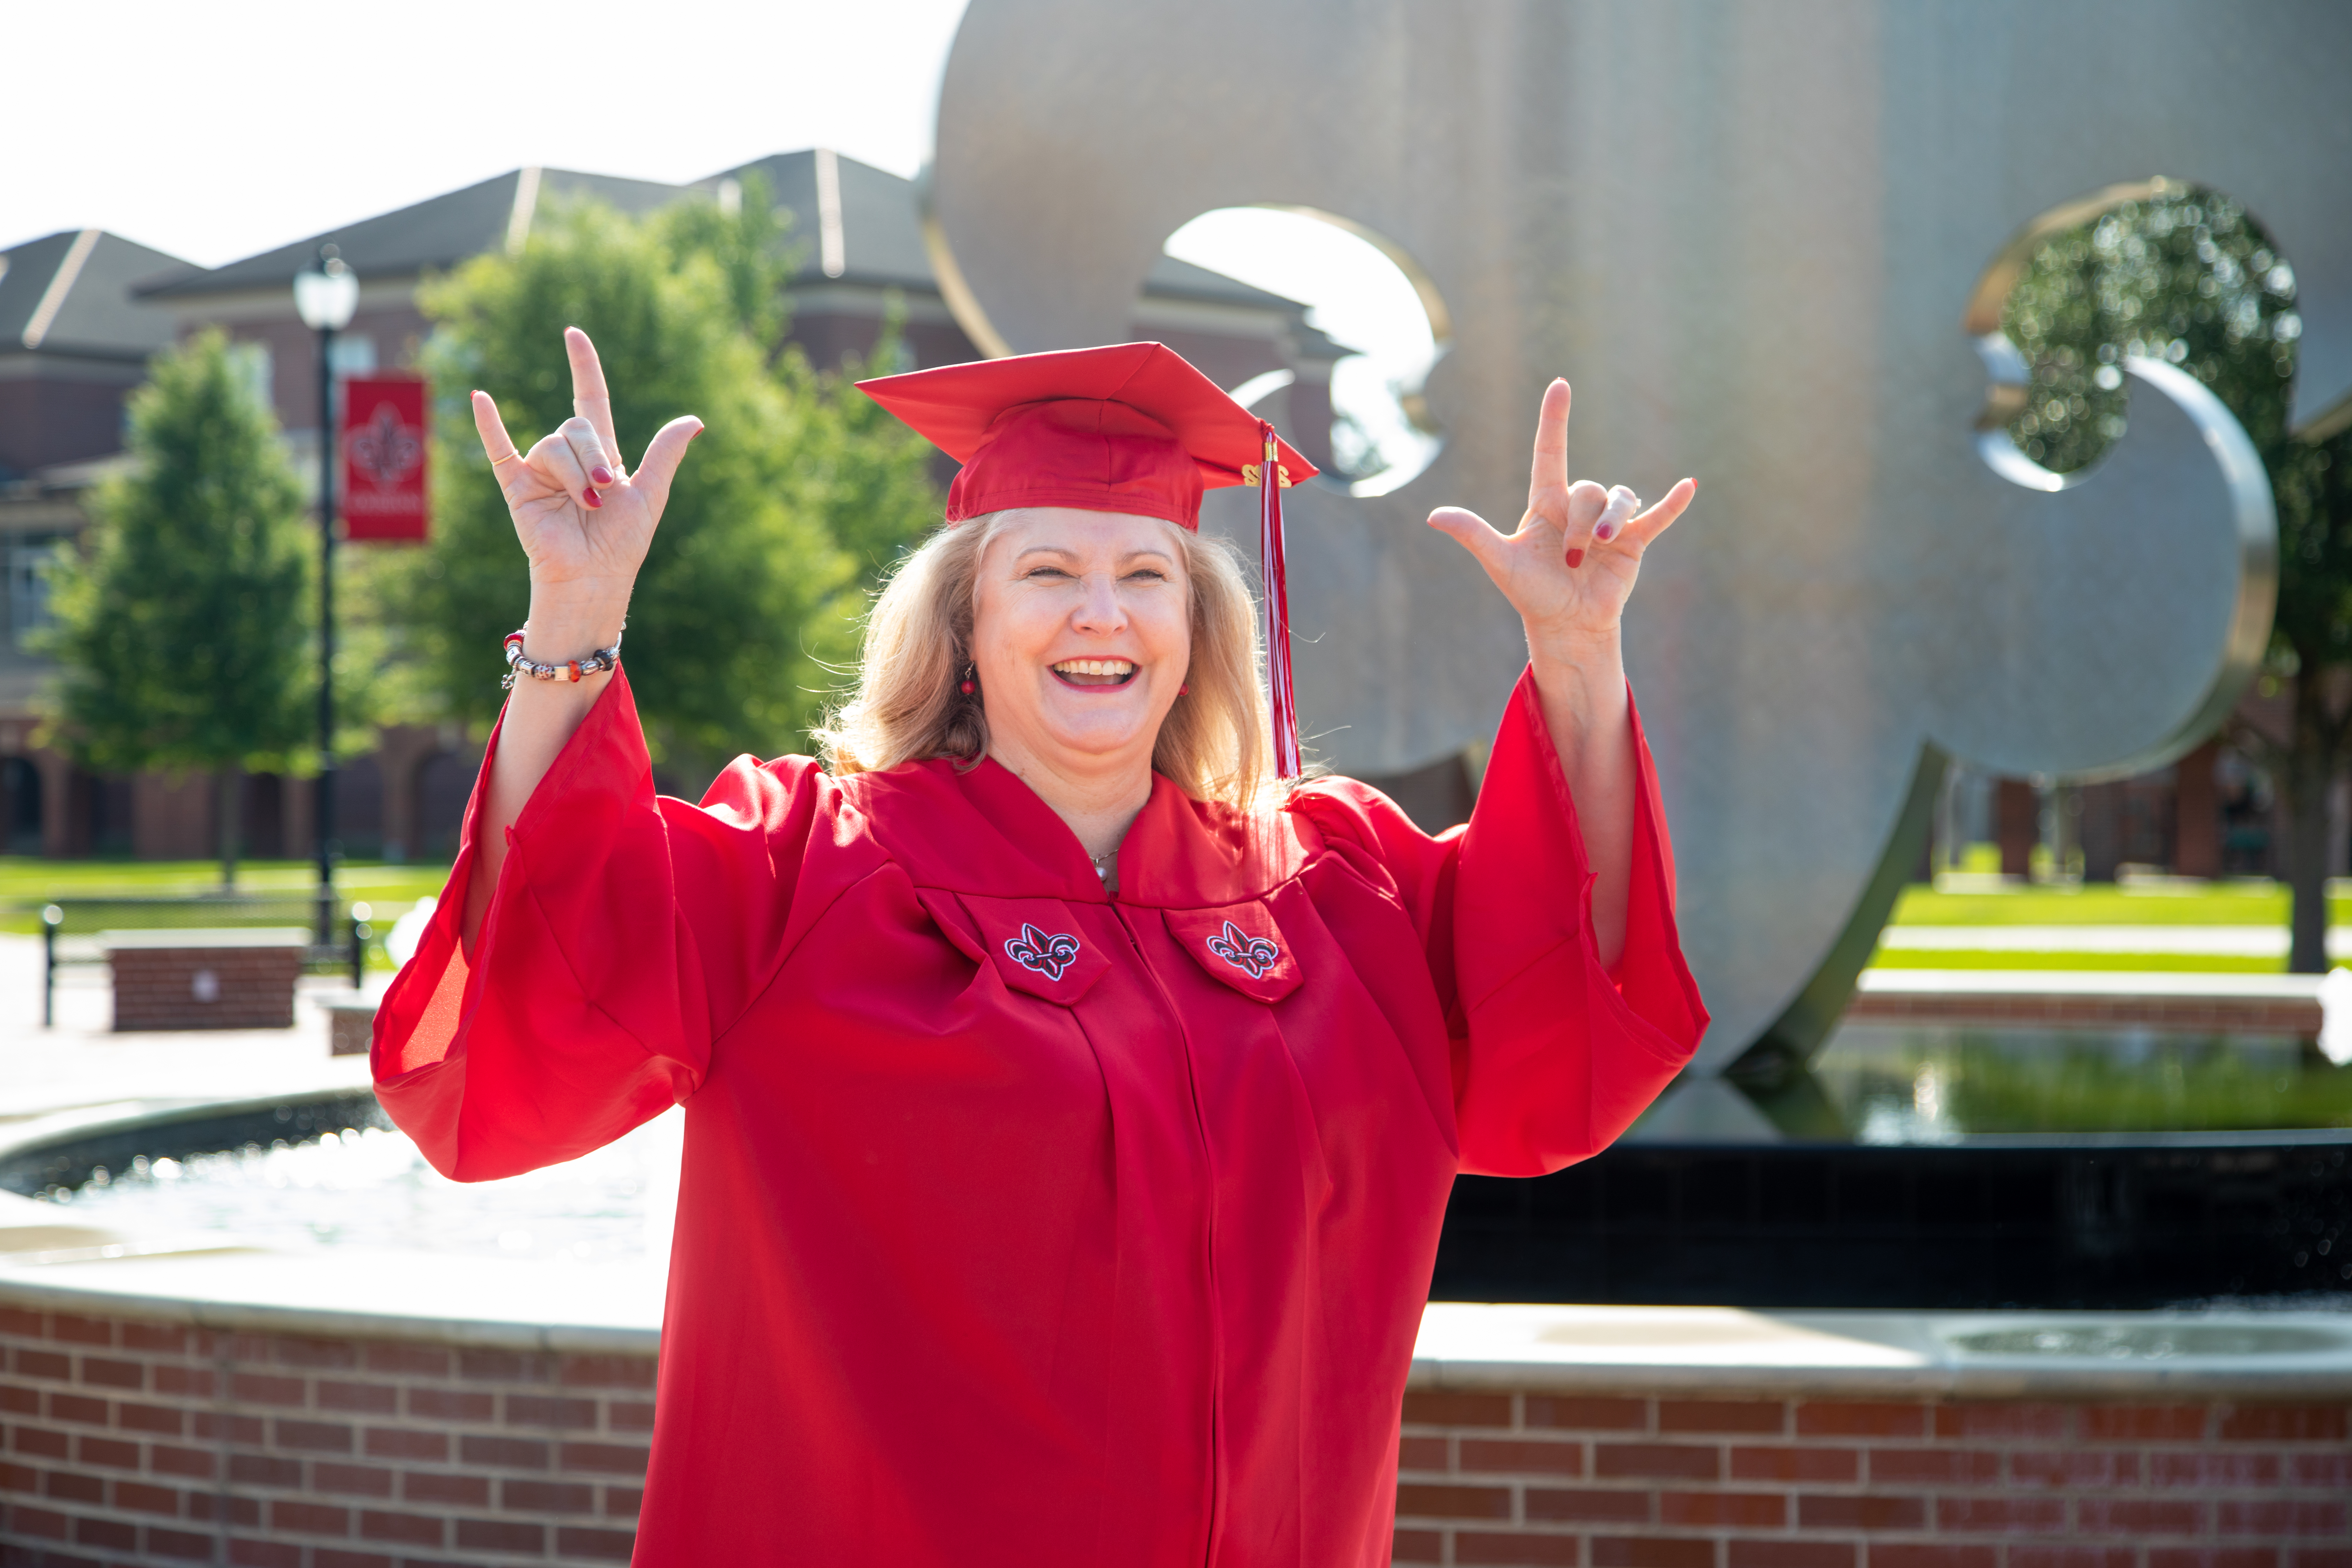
(1763, 241)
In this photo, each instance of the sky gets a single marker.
(1359, 299)
(215, 132)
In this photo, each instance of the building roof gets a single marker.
(438, 232)
(872, 231)
(853, 224)
(69, 292)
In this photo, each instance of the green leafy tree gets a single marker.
(854, 464)
(2186, 275)
(183, 626)
(2311, 648)
(857, 464)
(750, 595)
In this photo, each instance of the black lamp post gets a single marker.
(326, 296)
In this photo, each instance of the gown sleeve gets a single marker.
(626, 934)
(1553, 1055)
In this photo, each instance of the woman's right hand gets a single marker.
(583, 519)
(586, 524)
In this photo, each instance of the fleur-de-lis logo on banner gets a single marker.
(386, 450)
(1049, 955)
(1254, 955)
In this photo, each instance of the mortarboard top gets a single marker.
(1131, 428)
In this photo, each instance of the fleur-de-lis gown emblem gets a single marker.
(1254, 955)
(1049, 955)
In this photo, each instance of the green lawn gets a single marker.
(2247, 902)
(25, 881)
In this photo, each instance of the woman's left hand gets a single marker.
(1570, 566)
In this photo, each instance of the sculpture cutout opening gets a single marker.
(2176, 287)
(2159, 272)
(1375, 326)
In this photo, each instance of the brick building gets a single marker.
(70, 351)
(74, 343)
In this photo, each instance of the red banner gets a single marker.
(384, 458)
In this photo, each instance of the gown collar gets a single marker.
(984, 831)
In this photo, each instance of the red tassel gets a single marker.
(1278, 608)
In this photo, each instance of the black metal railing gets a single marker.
(71, 929)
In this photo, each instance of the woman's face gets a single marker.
(1082, 634)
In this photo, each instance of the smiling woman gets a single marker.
(1073, 1092)
(1109, 631)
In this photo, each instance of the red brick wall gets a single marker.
(826, 335)
(134, 1443)
(1703, 1481)
(62, 419)
(141, 1443)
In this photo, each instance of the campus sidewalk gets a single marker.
(82, 1062)
(2237, 941)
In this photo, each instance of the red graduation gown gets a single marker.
(1020, 1223)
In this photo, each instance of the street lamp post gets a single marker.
(326, 295)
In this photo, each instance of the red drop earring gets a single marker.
(1185, 689)
(968, 684)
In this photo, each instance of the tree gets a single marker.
(182, 625)
(857, 465)
(2186, 275)
(750, 595)
(2311, 647)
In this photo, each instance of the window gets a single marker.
(255, 372)
(353, 353)
(22, 558)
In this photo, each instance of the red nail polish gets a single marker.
(601, 474)
(1575, 559)
(1604, 533)
(593, 500)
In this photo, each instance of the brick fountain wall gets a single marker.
(157, 1443)
(1704, 1481)
(137, 1442)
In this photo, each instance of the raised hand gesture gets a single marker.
(583, 521)
(1570, 566)
(1569, 570)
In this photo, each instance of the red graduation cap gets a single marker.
(1131, 427)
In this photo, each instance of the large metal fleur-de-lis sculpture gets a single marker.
(1050, 956)
(1253, 955)
(1776, 286)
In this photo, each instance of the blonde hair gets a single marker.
(908, 704)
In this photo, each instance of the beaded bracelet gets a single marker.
(603, 658)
